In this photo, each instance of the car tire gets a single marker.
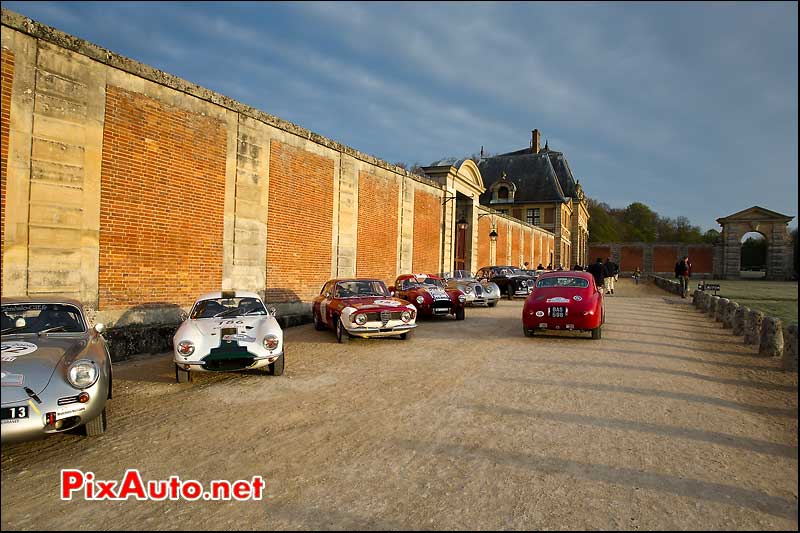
(276, 368)
(406, 335)
(597, 332)
(182, 376)
(460, 314)
(528, 332)
(318, 324)
(492, 304)
(510, 293)
(96, 426)
(341, 332)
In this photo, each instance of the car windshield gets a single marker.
(41, 318)
(566, 281)
(432, 282)
(458, 274)
(217, 307)
(360, 288)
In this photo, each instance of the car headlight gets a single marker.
(82, 373)
(186, 348)
(406, 315)
(270, 342)
(420, 300)
(467, 289)
(523, 283)
(462, 298)
(361, 319)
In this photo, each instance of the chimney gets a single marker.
(535, 141)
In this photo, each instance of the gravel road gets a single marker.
(668, 422)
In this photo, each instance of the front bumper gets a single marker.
(66, 416)
(228, 362)
(388, 331)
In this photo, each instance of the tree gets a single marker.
(603, 226)
(711, 236)
(641, 223)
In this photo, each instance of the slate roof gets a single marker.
(542, 177)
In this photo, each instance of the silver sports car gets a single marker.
(56, 371)
(481, 292)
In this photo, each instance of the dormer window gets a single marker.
(503, 191)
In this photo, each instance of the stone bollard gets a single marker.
(712, 306)
(722, 306)
(730, 313)
(695, 297)
(702, 301)
(771, 342)
(752, 329)
(790, 348)
(706, 303)
(740, 320)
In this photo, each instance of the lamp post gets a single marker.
(462, 223)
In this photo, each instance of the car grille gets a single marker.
(68, 400)
(384, 316)
(478, 290)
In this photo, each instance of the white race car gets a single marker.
(227, 331)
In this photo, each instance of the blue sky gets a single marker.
(681, 106)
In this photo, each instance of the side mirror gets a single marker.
(99, 328)
(327, 294)
(272, 310)
(391, 289)
(20, 323)
(391, 292)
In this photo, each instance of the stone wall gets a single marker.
(657, 258)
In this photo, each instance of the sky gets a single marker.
(690, 108)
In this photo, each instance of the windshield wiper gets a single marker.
(9, 330)
(225, 312)
(50, 330)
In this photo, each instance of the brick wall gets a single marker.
(299, 222)
(664, 258)
(377, 227)
(427, 242)
(484, 228)
(514, 259)
(6, 79)
(702, 259)
(502, 242)
(162, 202)
(599, 251)
(631, 258)
(527, 249)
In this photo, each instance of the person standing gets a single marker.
(636, 275)
(683, 270)
(611, 271)
(597, 270)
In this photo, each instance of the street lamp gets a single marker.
(462, 224)
(493, 235)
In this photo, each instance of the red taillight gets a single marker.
(50, 418)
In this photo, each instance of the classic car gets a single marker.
(362, 308)
(511, 280)
(228, 331)
(430, 295)
(56, 370)
(566, 301)
(478, 292)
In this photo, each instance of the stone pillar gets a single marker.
(712, 306)
(752, 330)
(790, 348)
(771, 340)
(730, 313)
(722, 307)
(740, 320)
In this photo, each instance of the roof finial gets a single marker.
(546, 146)
(481, 152)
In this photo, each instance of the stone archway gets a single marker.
(775, 229)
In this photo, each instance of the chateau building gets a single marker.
(537, 186)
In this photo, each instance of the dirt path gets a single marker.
(667, 422)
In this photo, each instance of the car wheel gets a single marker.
(318, 324)
(182, 376)
(510, 293)
(406, 335)
(597, 332)
(341, 333)
(460, 314)
(492, 304)
(528, 332)
(276, 368)
(96, 426)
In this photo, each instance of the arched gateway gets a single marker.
(775, 229)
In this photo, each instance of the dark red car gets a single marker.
(430, 295)
(566, 300)
(362, 308)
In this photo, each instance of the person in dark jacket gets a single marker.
(597, 270)
(611, 271)
(683, 269)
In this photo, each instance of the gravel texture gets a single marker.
(668, 422)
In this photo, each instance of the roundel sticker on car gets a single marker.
(12, 349)
(577, 298)
(540, 314)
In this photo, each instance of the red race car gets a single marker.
(362, 308)
(564, 300)
(430, 295)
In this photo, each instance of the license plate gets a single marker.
(558, 312)
(13, 413)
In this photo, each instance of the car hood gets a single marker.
(31, 361)
(243, 324)
(374, 302)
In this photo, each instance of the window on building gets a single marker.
(534, 216)
(502, 193)
(549, 215)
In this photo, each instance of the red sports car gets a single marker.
(564, 300)
(362, 308)
(430, 295)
